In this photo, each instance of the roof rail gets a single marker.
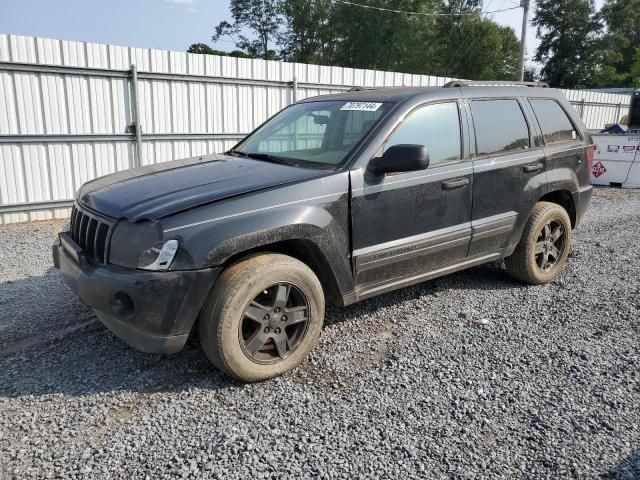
(490, 83)
(360, 89)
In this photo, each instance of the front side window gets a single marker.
(315, 133)
(500, 126)
(554, 122)
(435, 126)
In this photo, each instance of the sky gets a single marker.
(163, 24)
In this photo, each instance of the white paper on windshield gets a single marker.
(361, 106)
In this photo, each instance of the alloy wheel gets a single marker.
(550, 245)
(274, 323)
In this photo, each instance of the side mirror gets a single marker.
(401, 158)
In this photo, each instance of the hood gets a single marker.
(162, 189)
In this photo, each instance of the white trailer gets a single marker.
(617, 156)
(616, 160)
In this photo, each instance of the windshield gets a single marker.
(320, 133)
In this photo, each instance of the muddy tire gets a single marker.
(544, 246)
(262, 318)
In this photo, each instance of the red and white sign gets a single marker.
(598, 169)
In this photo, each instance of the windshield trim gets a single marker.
(348, 157)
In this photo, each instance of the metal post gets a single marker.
(618, 112)
(136, 116)
(582, 108)
(294, 97)
(294, 86)
(523, 39)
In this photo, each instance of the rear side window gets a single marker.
(554, 122)
(435, 126)
(500, 126)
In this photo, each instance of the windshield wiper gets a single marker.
(234, 153)
(265, 156)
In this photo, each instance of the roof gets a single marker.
(400, 94)
(382, 94)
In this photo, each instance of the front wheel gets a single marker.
(263, 317)
(544, 246)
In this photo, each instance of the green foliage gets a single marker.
(205, 49)
(308, 35)
(476, 48)
(261, 18)
(569, 44)
(635, 69)
(332, 33)
(201, 48)
(575, 50)
(621, 42)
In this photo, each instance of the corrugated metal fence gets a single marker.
(73, 111)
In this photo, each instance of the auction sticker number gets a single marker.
(361, 106)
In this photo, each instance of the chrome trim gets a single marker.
(488, 164)
(377, 288)
(445, 174)
(247, 212)
(413, 239)
(490, 222)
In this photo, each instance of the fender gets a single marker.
(314, 213)
(545, 183)
(562, 179)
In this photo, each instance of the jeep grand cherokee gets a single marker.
(335, 199)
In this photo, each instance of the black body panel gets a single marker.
(162, 189)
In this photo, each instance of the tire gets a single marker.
(231, 330)
(527, 263)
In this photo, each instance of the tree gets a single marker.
(619, 45)
(476, 48)
(530, 74)
(461, 44)
(568, 32)
(374, 39)
(308, 31)
(262, 18)
(635, 69)
(204, 49)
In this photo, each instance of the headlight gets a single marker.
(158, 257)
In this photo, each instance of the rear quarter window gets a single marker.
(555, 124)
(500, 126)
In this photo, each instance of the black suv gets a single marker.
(334, 199)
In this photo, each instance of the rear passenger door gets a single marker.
(564, 148)
(508, 161)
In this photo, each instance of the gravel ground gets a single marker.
(468, 376)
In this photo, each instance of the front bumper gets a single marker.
(151, 311)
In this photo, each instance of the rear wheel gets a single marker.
(263, 317)
(544, 246)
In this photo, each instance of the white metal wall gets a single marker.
(60, 128)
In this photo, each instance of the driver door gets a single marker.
(407, 224)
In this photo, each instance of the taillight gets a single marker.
(589, 153)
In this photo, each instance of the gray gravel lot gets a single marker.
(400, 386)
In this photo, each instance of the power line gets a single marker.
(428, 14)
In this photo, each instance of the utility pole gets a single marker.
(523, 39)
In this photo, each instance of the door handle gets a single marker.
(455, 183)
(533, 167)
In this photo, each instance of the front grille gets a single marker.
(91, 233)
